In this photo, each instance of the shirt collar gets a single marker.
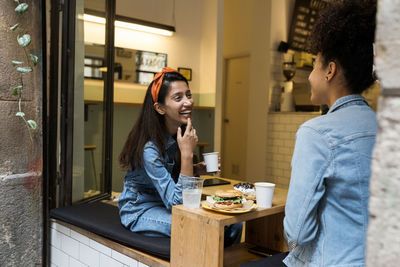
(346, 99)
(170, 141)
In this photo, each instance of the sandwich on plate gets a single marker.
(228, 199)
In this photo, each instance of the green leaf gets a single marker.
(34, 59)
(24, 69)
(21, 8)
(32, 124)
(15, 63)
(15, 90)
(25, 40)
(20, 114)
(14, 27)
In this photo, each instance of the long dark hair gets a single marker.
(150, 126)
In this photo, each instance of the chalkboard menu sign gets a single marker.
(304, 15)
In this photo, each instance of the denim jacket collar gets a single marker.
(344, 100)
(170, 141)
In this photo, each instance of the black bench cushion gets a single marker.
(103, 219)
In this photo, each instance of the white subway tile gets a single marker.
(284, 150)
(283, 165)
(61, 228)
(287, 173)
(278, 142)
(106, 261)
(100, 247)
(70, 246)
(288, 143)
(280, 127)
(275, 164)
(75, 263)
(277, 172)
(278, 157)
(142, 265)
(58, 257)
(287, 158)
(53, 265)
(55, 238)
(283, 135)
(79, 237)
(88, 255)
(124, 259)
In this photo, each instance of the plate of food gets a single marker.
(248, 190)
(228, 201)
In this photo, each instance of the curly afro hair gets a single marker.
(344, 33)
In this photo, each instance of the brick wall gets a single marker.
(69, 248)
(282, 128)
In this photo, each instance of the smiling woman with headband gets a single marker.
(157, 153)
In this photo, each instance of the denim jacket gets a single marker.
(151, 185)
(327, 205)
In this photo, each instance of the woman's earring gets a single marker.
(326, 78)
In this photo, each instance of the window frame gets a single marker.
(61, 106)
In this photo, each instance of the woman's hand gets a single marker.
(187, 144)
(201, 168)
(188, 141)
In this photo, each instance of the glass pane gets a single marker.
(134, 70)
(88, 101)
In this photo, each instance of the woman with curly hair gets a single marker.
(326, 215)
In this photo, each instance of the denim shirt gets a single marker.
(327, 204)
(151, 185)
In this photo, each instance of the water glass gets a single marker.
(192, 188)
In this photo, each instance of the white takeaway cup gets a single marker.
(211, 160)
(264, 194)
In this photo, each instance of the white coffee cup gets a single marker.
(264, 194)
(211, 160)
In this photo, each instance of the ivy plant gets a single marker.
(23, 67)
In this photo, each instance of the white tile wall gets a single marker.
(282, 128)
(71, 249)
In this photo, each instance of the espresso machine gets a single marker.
(287, 100)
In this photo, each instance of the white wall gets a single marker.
(255, 28)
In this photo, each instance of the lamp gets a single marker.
(133, 24)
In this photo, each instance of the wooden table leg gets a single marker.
(267, 232)
(196, 243)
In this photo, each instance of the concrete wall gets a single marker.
(20, 160)
(383, 244)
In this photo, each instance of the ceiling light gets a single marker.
(134, 24)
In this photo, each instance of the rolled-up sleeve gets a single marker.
(154, 166)
(310, 161)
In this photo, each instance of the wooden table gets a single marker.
(197, 235)
(210, 190)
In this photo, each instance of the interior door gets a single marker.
(234, 136)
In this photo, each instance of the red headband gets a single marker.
(157, 81)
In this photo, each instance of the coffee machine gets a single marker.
(287, 100)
